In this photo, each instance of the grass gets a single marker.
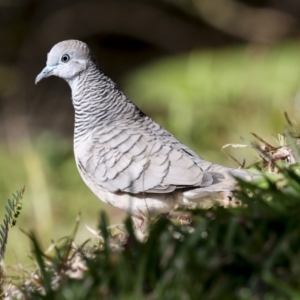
(251, 252)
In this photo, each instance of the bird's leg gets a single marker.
(183, 217)
(141, 225)
(228, 200)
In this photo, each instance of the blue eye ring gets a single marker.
(65, 58)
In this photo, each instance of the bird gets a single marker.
(126, 158)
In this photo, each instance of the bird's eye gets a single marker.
(65, 58)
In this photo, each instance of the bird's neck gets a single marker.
(97, 101)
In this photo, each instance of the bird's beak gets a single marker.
(46, 72)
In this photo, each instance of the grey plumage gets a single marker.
(123, 156)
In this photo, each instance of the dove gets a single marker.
(124, 157)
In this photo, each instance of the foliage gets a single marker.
(13, 209)
(251, 252)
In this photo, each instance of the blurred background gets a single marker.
(209, 71)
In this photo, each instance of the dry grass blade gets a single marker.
(240, 165)
(263, 141)
(291, 122)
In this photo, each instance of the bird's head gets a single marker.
(66, 60)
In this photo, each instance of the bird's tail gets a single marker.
(220, 192)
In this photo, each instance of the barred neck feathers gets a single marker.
(97, 101)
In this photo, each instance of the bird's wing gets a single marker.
(130, 160)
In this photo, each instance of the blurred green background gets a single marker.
(206, 78)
